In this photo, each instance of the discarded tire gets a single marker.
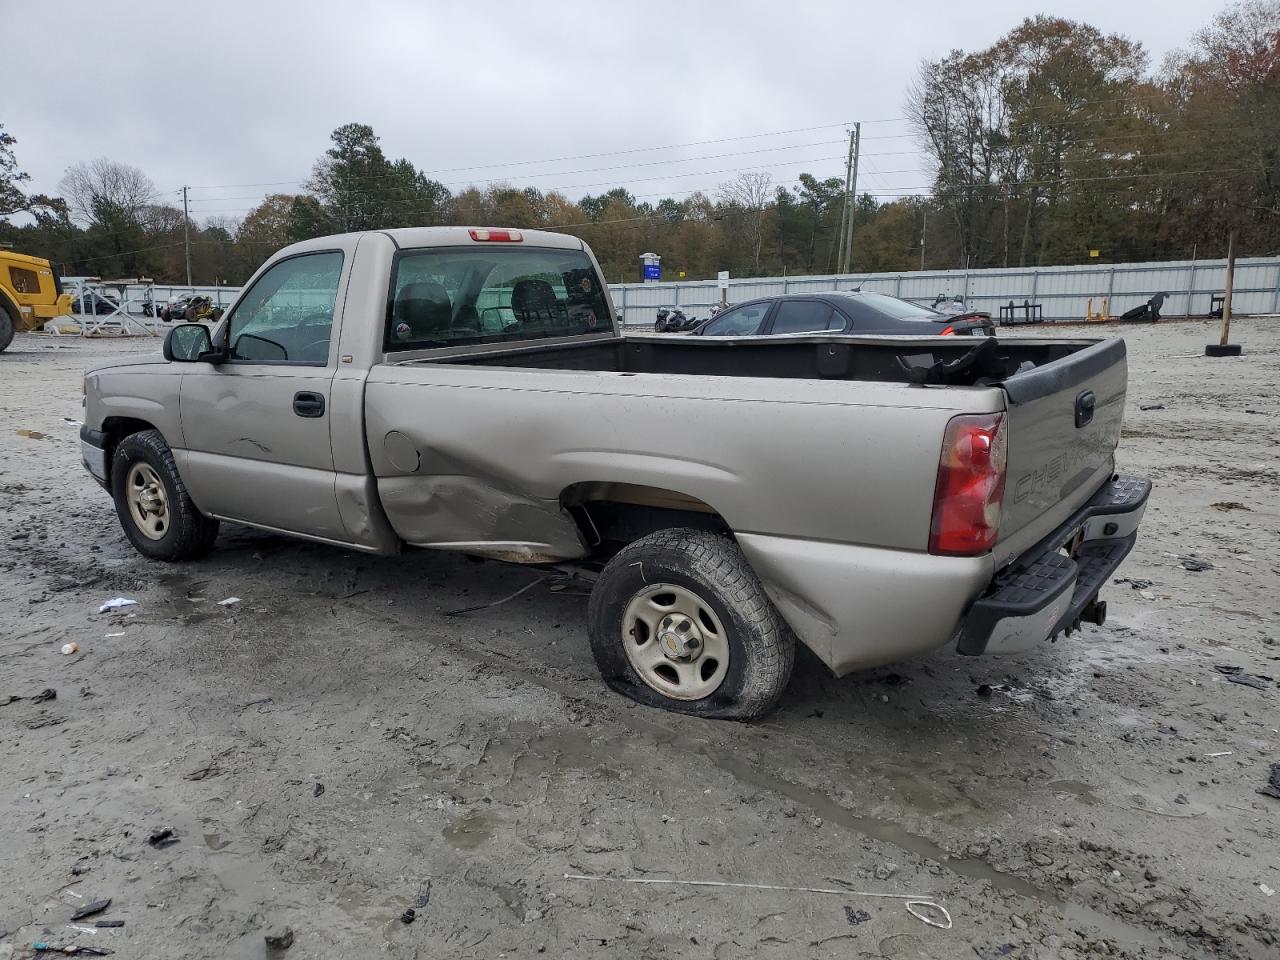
(1222, 350)
(678, 620)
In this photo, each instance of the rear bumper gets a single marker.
(93, 452)
(1046, 591)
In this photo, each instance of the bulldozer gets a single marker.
(30, 295)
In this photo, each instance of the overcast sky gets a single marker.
(238, 99)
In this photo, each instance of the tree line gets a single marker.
(1056, 144)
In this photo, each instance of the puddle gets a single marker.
(470, 831)
(1081, 791)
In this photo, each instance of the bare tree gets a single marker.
(105, 190)
(751, 192)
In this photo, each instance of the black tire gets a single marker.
(188, 533)
(1222, 350)
(7, 326)
(761, 646)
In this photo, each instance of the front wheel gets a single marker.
(152, 503)
(678, 620)
(7, 325)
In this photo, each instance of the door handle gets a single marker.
(308, 404)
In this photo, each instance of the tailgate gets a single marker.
(1064, 424)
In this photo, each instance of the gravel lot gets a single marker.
(335, 749)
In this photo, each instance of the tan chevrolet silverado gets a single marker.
(469, 390)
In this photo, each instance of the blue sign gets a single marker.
(653, 271)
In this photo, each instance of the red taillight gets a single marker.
(948, 331)
(496, 236)
(970, 488)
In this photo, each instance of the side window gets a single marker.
(802, 316)
(741, 321)
(24, 281)
(287, 315)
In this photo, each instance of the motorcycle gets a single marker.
(673, 321)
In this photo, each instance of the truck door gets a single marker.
(256, 426)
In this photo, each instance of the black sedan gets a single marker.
(95, 303)
(851, 313)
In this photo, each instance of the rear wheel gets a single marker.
(152, 503)
(7, 326)
(679, 621)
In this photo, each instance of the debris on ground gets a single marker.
(408, 916)
(1151, 406)
(71, 951)
(916, 904)
(33, 435)
(69, 648)
(1272, 789)
(89, 909)
(1227, 505)
(1137, 583)
(499, 601)
(104, 924)
(280, 941)
(984, 690)
(48, 693)
(164, 837)
(319, 790)
(856, 917)
(116, 604)
(1237, 675)
(229, 602)
(1266, 891)
(424, 896)
(1195, 564)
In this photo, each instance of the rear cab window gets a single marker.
(447, 296)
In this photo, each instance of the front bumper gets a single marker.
(93, 451)
(1055, 584)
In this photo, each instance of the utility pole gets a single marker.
(186, 233)
(847, 246)
(845, 209)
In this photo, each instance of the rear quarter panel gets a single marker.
(823, 460)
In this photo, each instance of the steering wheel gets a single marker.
(319, 344)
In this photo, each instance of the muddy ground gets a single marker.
(335, 748)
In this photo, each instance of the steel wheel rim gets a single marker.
(675, 642)
(148, 501)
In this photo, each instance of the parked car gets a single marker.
(851, 313)
(468, 390)
(95, 303)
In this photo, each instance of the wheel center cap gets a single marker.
(680, 639)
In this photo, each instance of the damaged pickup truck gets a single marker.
(469, 390)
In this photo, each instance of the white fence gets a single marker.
(1064, 293)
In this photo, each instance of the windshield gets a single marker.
(888, 306)
(446, 296)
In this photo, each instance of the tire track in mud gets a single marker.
(1112, 927)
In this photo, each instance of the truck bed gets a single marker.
(874, 359)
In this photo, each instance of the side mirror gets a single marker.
(187, 343)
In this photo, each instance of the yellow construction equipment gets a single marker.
(30, 295)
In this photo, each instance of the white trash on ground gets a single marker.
(116, 604)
